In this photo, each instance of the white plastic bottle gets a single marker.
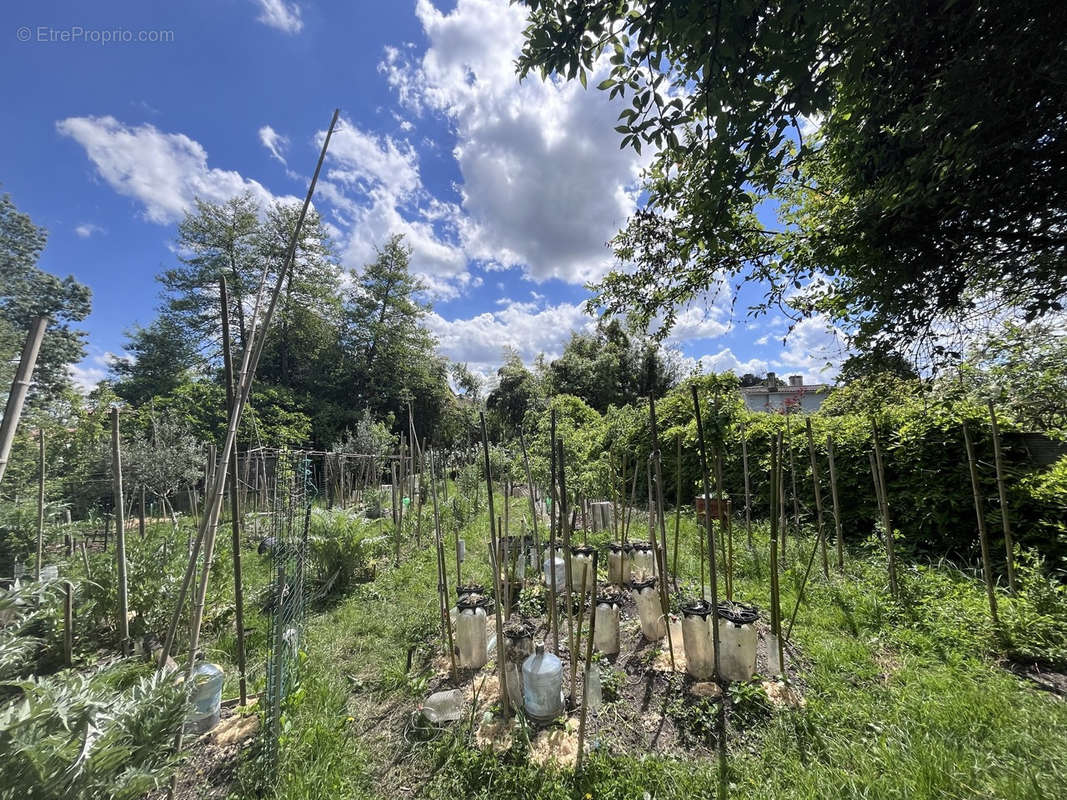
(696, 636)
(606, 636)
(471, 635)
(649, 610)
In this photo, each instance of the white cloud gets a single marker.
(280, 15)
(813, 344)
(545, 185)
(87, 229)
(162, 171)
(725, 361)
(274, 142)
(481, 340)
(91, 370)
(373, 186)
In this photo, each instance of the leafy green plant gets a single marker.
(749, 703)
(106, 733)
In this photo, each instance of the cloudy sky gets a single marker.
(118, 115)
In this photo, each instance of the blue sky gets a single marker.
(507, 192)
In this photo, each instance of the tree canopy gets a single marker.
(917, 151)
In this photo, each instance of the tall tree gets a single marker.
(390, 355)
(609, 367)
(27, 291)
(518, 390)
(215, 240)
(161, 359)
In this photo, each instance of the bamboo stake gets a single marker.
(677, 508)
(40, 505)
(442, 575)
(1003, 493)
(120, 532)
(250, 362)
(68, 623)
(983, 534)
(712, 567)
(880, 472)
(662, 548)
(235, 505)
(20, 385)
(776, 600)
(727, 566)
(818, 498)
(494, 544)
(748, 492)
(553, 612)
(584, 576)
(530, 489)
(566, 561)
(793, 474)
(837, 506)
(588, 661)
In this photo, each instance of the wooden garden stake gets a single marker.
(68, 623)
(657, 465)
(533, 499)
(588, 661)
(235, 505)
(442, 573)
(983, 535)
(792, 473)
(583, 575)
(553, 612)
(1003, 493)
(120, 532)
(712, 568)
(818, 498)
(837, 506)
(748, 491)
(880, 477)
(566, 559)
(677, 507)
(776, 603)
(503, 678)
(40, 505)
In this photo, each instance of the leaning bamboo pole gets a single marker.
(1002, 491)
(588, 661)
(20, 385)
(120, 532)
(250, 361)
(530, 490)
(235, 503)
(983, 534)
(748, 490)
(818, 498)
(880, 478)
(837, 506)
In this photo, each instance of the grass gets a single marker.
(905, 699)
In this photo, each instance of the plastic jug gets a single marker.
(556, 568)
(619, 564)
(447, 706)
(594, 694)
(518, 641)
(606, 635)
(582, 555)
(206, 698)
(650, 610)
(737, 638)
(696, 636)
(774, 663)
(471, 634)
(642, 562)
(542, 685)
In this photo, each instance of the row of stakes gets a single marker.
(535, 676)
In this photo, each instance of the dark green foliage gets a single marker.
(934, 187)
(25, 292)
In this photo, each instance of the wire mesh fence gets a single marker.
(291, 491)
